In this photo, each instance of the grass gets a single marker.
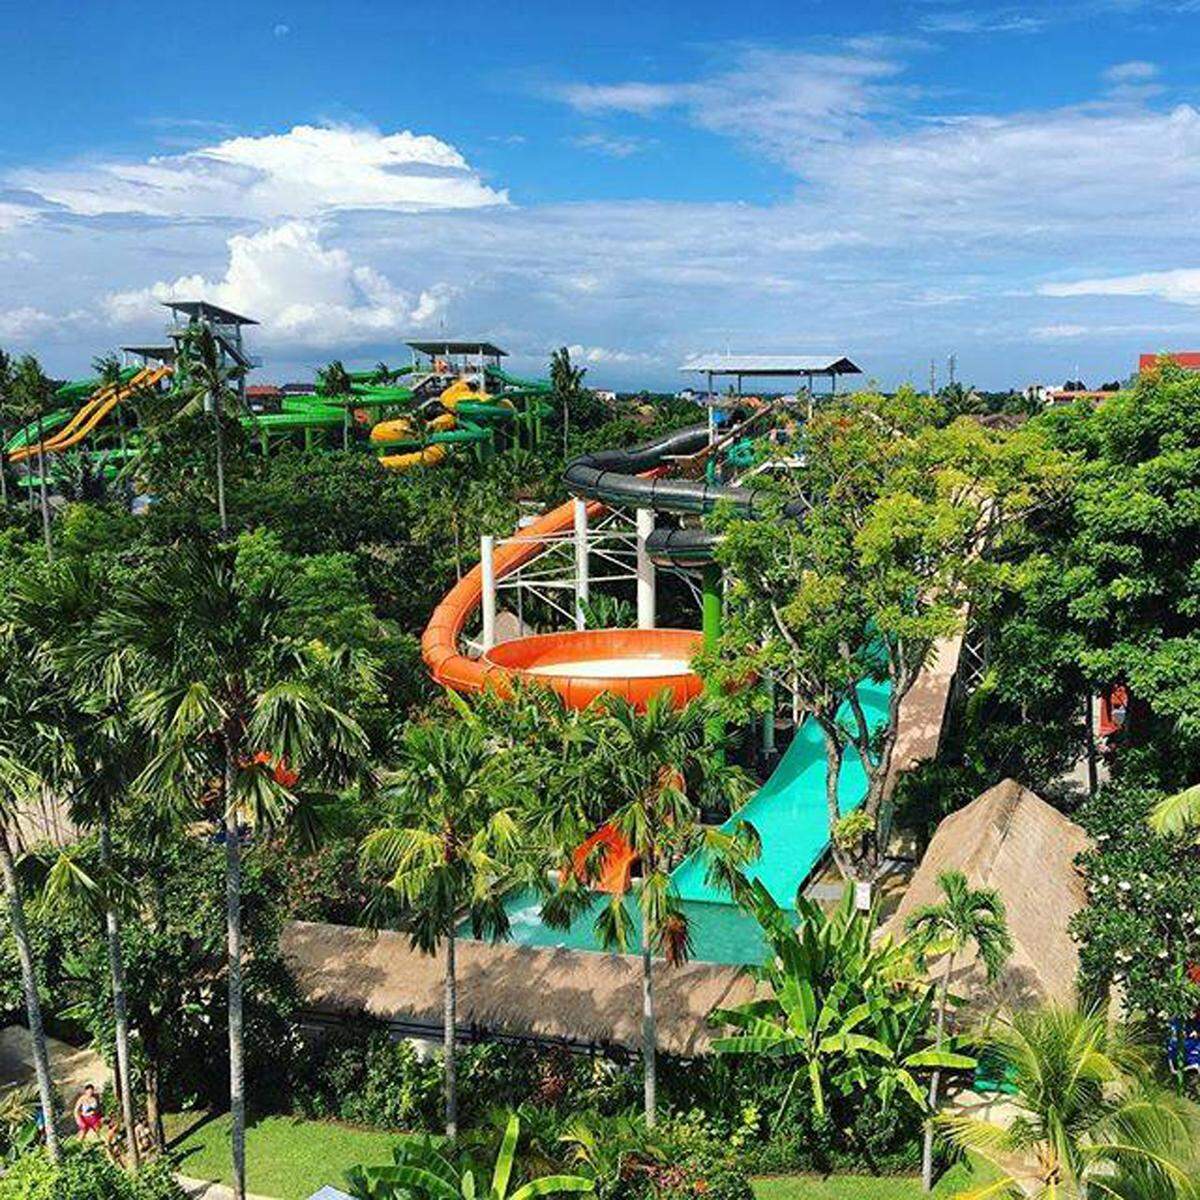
(870, 1187)
(286, 1157)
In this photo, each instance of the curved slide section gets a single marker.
(578, 664)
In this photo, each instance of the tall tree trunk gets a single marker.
(649, 1039)
(33, 1005)
(927, 1147)
(45, 498)
(233, 935)
(450, 1038)
(834, 752)
(214, 401)
(3, 466)
(116, 962)
(150, 1082)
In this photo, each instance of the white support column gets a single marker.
(647, 615)
(768, 725)
(581, 561)
(487, 571)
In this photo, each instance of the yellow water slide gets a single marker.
(401, 429)
(93, 410)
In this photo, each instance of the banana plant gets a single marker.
(422, 1172)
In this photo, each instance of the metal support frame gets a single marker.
(647, 615)
(582, 588)
(487, 571)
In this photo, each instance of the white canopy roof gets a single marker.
(771, 364)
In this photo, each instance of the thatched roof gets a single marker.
(518, 991)
(1013, 841)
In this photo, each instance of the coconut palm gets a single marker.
(33, 391)
(1178, 813)
(234, 722)
(54, 610)
(657, 763)
(566, 383)
(963, 915)
(30, 752)
(1090, 1122)
(6, 407)
(108, 369)
(452, 843)
(206, 378)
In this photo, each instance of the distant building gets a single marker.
(1189, 360)
(606, 397)
(263, 391)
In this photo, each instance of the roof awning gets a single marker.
(213, 312)
(457, 346)
(780, 365)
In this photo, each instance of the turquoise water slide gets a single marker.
(789, 810)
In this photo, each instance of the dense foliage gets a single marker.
(85, 1175)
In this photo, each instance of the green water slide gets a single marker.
(790, 812)
(517, 384)
(29, 434)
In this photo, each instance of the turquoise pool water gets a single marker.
(721, 933)
(790, 815)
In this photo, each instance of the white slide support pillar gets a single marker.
(581, 561)
(647, 615)
(487, 572)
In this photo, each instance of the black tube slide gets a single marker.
(613, 476)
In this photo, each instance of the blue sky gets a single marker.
(1017, 183)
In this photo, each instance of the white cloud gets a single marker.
(781, 102)
(1134, 71)
(301, 291)
(973, 21)
(308, 171)
(1180, 286)
(611, 145)
(595, 355)
(281, 30)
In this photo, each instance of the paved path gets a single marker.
(200, 1189)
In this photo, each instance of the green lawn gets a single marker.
(286, 1158)
(869, 1187)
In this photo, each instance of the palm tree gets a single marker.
(108, 369)
(650, 757)
(566, 382)
(29, 750)
(55, 610)
(228, 702)
(962, 916)
(33, 391)
(1090, 1122)
(6, 405)
(208, 380)
(452, 844)
(1178, 813)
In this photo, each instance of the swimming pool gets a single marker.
(721, 933)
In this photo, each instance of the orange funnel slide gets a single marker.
(616, 861)
(578, 664)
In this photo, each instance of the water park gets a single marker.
(672, 794)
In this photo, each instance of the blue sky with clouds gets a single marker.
(1018, 184)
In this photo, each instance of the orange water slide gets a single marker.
(548, 658)
(91, 413)
(616, 861)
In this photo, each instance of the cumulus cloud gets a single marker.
(308, 171)
(1180, 286)
(302, 291)
(604, 354)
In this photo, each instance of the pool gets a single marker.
(721, 933)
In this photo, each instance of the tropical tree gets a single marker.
(205, 378)
(566, 385)
(963, 915)
(6, 410)
(111, 374)
(237, 720)
(847, 1009)
(659, 766)
(30, 751)
(860, 564)
(423, 1172)
(1090, 1122)
(1178, 813)
(54, 609)
(33, 391)
(452, 843)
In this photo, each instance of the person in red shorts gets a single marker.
(88, 1115)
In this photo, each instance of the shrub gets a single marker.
(85, 1174)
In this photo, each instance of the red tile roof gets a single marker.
(263, 390)
(1189, 359)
